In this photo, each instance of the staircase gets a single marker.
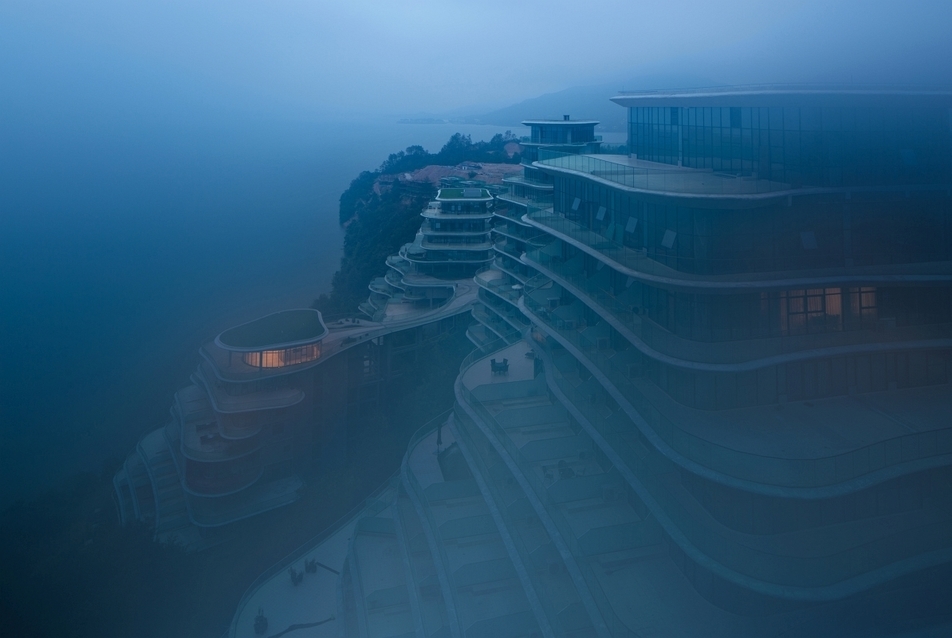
(171, 512)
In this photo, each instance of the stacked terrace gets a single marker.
(453, 243)
(502, 281)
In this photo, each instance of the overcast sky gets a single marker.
(312, 57)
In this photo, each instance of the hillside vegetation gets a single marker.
(381, 215)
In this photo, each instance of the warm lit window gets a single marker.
(811, 311)
(281, 358)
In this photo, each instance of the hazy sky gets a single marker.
(314, 57)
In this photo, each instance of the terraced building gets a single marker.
(728, 413)
(452, 243)
(270, 401)
(501, 281)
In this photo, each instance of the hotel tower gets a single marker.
(711, 394)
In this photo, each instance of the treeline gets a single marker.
(378, 224)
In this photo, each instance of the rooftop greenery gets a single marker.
(458, 193)
(379, 223)
(287, 326)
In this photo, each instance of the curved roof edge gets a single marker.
(558, 122)
(282, 329)
(787, 95)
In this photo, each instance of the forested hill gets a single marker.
(382, 213)
(459, 148)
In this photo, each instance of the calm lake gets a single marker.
(124, 246)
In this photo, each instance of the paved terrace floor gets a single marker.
(313, 600)
(521, 368)
(487, 593)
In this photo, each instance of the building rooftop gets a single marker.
(285, 328)
(642, 175)
(562, 122)
(789, 95)
(463, 193)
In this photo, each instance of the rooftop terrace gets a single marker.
(280, 328)
(463, 193)
(656, 177)
(785, 95)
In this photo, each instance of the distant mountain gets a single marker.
(583, 102)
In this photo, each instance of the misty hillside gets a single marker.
(581, 102)
(585, 102)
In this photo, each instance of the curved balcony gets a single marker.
(519, 180)
(693, 184)
(378, 300)
(446, 229)
(257, 498)
(395, 279)
(505, 312)
(452, 513)
(514, 214)
(525, 204)
(729, 356)
(368, 310)
(460, 245)
(636, 264)
(498, 283)
(664, 179)
(399, 263)
(278, 344)
(519, 234)
(818, 476)
(209, 446)
(244, 415)
(281, 339)
(531, 455)
(421, 256)
(516, 269)
(480, 336)
(428, 607)
(440, 215)
(222, 478)
(379, 286)
(819, 564)
(497, 326)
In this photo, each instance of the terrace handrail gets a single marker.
(330, 530)
(724, 353)
(496, 433)
(663, 178)
(758, 469)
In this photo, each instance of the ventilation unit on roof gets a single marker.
(472, 192)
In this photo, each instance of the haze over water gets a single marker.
(124, 244)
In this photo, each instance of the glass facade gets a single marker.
(831, 146)
(282, 358)
(560, 132)
(624, 224)
(802, 232)
(785, 313)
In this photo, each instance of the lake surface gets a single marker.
(124, 246)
